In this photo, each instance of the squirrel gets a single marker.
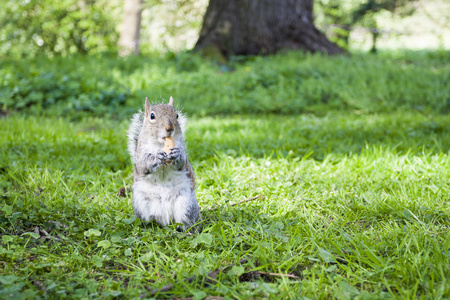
(164, 183)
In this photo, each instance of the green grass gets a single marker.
(351, 155)
(290, 83)
(354, 206)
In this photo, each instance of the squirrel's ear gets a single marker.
(147, 107)
(171, 101)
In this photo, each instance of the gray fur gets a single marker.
(164, 184)
(133, 133)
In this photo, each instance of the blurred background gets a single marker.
(103, 57)
(48, 27)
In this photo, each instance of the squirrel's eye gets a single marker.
(177, 116)
(152, 116)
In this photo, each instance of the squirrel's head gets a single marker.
(162, 120)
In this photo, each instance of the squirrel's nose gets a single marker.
(169, 126)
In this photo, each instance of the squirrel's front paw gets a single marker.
(176, 157)
(174, 154)
(163, 157)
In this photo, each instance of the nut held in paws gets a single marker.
(169, 144)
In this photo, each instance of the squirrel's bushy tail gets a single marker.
(133, 133)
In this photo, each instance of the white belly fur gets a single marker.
(163, 196)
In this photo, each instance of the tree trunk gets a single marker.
(131, 26)
(252, 27)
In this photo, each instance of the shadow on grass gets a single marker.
(318, 136)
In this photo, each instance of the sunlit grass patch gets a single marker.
(353, 205)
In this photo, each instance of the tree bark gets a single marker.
(131, 26)
(252, 27)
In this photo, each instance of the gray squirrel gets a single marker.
(164, 183)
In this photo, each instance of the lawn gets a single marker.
(354, 198)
